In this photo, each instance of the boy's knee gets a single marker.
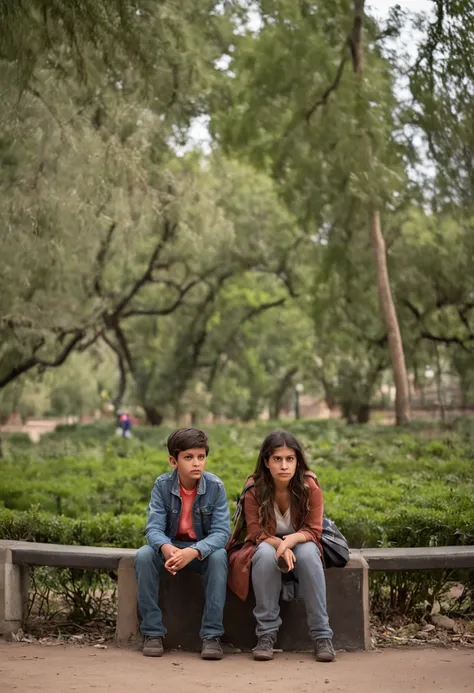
(145, 556)
(218, 558)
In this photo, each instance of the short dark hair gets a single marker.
(185, 439)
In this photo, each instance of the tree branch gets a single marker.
(332, 87)
(101, 258)
(122, 384)
(168, 233)
(125, 349)
(214, 365)
(135, 312)
(34, 361)
(440, 339)
(425, 333)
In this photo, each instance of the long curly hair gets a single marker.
(265, 486)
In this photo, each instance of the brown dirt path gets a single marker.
(61, 669)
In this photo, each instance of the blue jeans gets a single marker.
(266, 580)
(149, 565)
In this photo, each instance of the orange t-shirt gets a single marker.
(185, 528)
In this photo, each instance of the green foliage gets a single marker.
(380, 487)
(103, 530)
(412, 487)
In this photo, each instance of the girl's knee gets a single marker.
(265, 553)
(307, 553)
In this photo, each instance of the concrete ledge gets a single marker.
(182, 597)
(13, 593)
(62, 556)
(181, 600)
(108, 558)
(126, 631)
(419, 558)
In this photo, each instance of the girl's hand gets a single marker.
(289, 557)
(289, 542)
(286, 544)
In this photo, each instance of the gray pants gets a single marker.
(266, 580)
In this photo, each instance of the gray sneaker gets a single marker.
(211, 649)
(324, 650)
(153, 647)
(263, 651)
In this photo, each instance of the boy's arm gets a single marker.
(156, 523)
(219, 531)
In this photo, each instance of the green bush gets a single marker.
(411, 486)
(126, 531)
(382, 486)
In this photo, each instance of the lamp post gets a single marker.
(298, 390)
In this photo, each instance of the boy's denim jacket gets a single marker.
(211, 517)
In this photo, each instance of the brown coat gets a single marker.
(240, 560)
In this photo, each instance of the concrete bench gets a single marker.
(181, 596)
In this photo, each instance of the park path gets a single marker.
(60, 669)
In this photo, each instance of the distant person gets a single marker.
(124, 424)
(188, 527)
(283, 510)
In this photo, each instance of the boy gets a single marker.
(188, 527)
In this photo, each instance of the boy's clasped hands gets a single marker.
(177, 559)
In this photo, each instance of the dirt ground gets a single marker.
(59, 669)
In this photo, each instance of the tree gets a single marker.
(161, 50)
(90, 133)
(257, 367)
(216, 274)
(70, 216)
(387, 305)
(351, 351)
(291, 108)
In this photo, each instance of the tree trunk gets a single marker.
(363, 414)
(177, 413)
(280, 392)
(153, 416)
(387, 306)
(439, 387)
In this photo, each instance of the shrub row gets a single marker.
(382, 486)
(410, 527)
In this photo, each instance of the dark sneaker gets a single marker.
(211, 649)
(324, 650)
(153, 647)
(263, 651)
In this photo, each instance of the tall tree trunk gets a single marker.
(363, 414)
(395, 344)
(153, 416)
(280, 392)
(387, 305)
(439, 386)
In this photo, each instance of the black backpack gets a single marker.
(334, 543)
(335, 546)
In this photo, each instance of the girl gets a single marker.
(283, 508)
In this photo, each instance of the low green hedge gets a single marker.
(408, 527)
(126, 531)
(410, 486)
(382, 486)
